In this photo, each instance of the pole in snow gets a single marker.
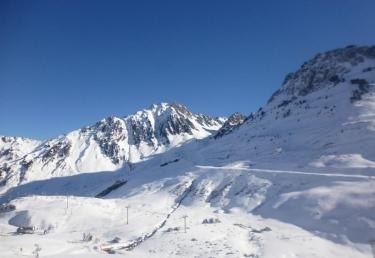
(184, 217)
(372, 243)
(67, 204)
(127, 215)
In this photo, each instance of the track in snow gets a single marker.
(286, 172)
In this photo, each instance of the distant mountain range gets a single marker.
(109, 144)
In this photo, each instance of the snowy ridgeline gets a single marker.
(294, 179)
(108, 145)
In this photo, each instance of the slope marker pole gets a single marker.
(127, 215)
(184, 217)
(67, 204)
(372, 243)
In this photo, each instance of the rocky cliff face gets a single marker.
(327, 69)
(232, 122)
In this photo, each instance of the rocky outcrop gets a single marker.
(325, 69)
(232, 122)
(108, 144)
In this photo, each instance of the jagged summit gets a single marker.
(233, 121)
(329, 84)
(176, 107)
(327, 69)
(322, 116)
(110, 143)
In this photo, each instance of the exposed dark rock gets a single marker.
(87, 237)
(211, 221)
(25, 165)
(168, 230)
(336, 79)
(232, 122)
(107, 134)
(141, 131)
(115, 240)
(323, 70)
(359, 82)
(363, 88)
(176, 125)
(58, 151)
(7, 207)
(265, 229)
(25, 230)
(181, 109)
(117, 138)
(286, 102)
(7, 139)
(287, 113)
(169, 162)
(368, 69)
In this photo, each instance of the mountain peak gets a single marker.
(233, 121)
(110, 143)
(327, 69)
(158, 106)
(164, 108)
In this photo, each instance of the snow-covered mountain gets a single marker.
(12, 149)
(322, 116)
(233, 121)
(109, 144)
(293, 179)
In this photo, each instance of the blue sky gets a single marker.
(66, 64)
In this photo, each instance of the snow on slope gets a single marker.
(254, 214)
(327, 123)
(12, 148)
(296, 179)
(109, 144)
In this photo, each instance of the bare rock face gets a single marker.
(57, 151)
(232, 122)
(324, 70)
(153, 127)
(107, 133)
(108, 144)
(345, 71)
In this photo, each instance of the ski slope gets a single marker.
(259, 216)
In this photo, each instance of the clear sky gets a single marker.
(66, 64)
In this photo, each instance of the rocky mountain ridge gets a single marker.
(109, 144)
